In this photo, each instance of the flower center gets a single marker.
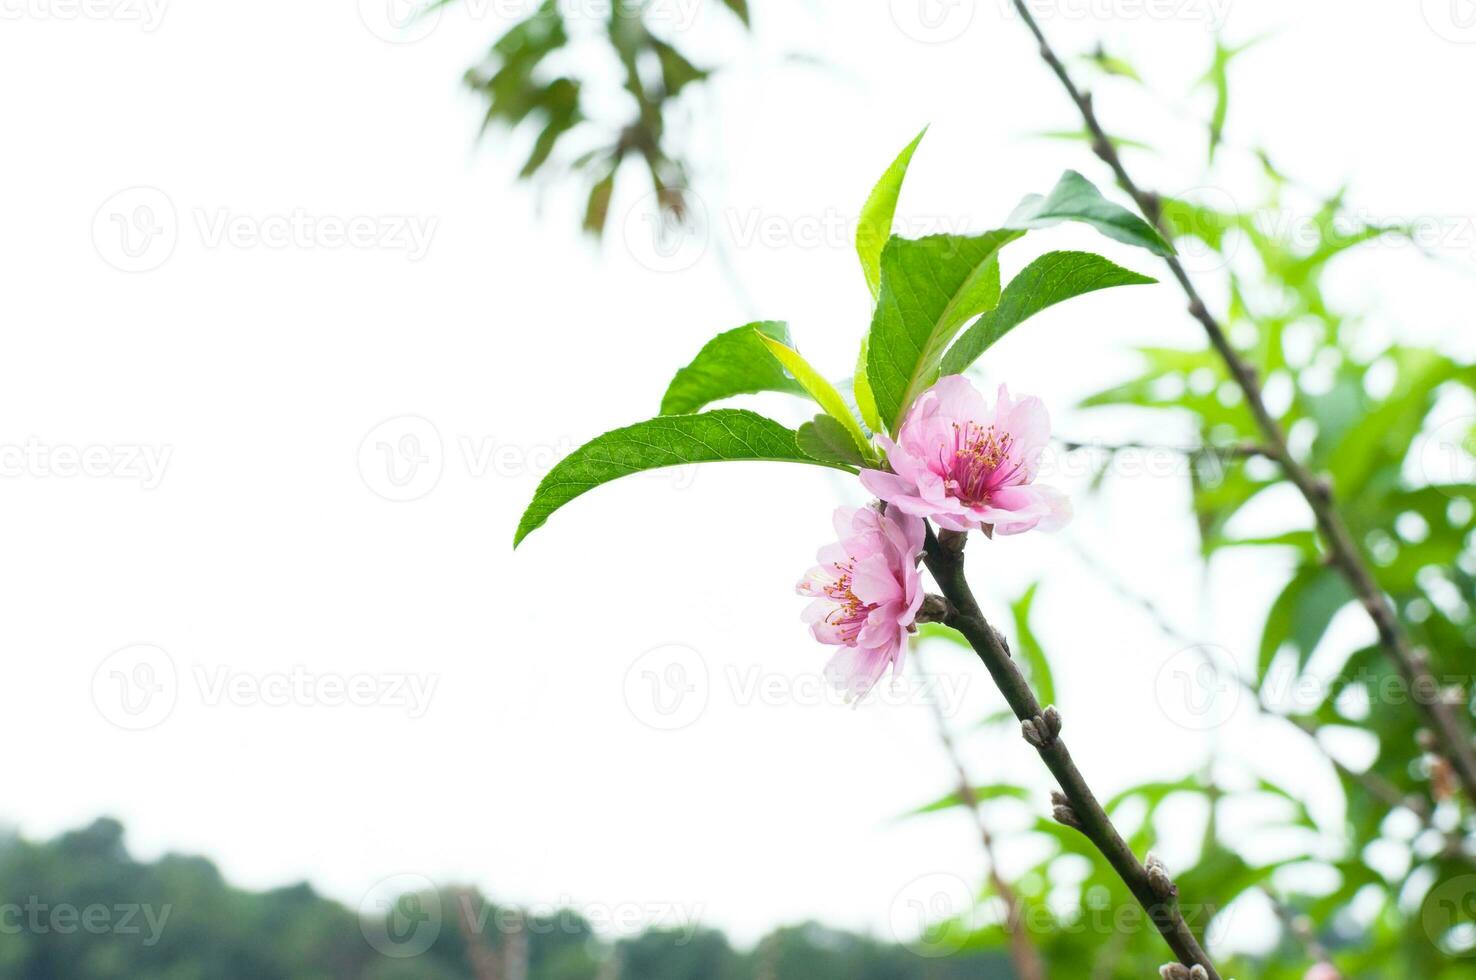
(978, 454)
(850, 613)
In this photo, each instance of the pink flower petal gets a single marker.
(885, 485)
(1017, 509)
(958, 399)
(854, 671)
(874, 581)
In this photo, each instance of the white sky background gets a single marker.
(263, 369)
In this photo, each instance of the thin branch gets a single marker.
(1238, 451)
(1372, 783)
(1300, 928)
(1076, 804)
(480, 956)
(1022, 949)
(1343, 552)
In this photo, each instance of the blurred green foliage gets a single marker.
(80, 908)
(532, 77)
(1371, 416)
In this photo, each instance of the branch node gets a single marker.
(1042, 730)
(1158, 878)
(1062, 811)
(1152, 206)
(935, 609)
(952, 542)
(1178, 971)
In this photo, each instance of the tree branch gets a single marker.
(1242, 451)
(1343, 553)
(1372, 783)
(1300, 928)
(1076, 805)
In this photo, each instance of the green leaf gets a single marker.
(1218, 78)
(722, 434)
(1305, 542)
(739, 7)
(1032, 654)
(1301, 614)
(560, 103)
(930, 287)
(937, 631)
(1382, 434)
(1004, 716)
(1155, 793)
(818, 388)
(1053, 277)
(1074, 198)
(597, 210)
(732, 363)
(827, 440)
(861, 388)
(878, 213)
(1086, 136)
(676, 71)
(982, 794)
(1185, 219)
(1112, 64)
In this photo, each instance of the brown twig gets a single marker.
(1022, 949)
(1343, 552)
(1075, 805)
(480, 956)
(1372, 783)
(1239, 451)
(1300, 928)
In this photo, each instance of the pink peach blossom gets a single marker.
(967, 468)
(867, 593)
(1323, 971)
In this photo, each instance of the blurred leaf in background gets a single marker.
(529, 79)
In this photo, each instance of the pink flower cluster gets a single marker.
(867, 592)
(954, 462)
(968, 468)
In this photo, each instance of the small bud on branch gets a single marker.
(935, 609)
(1042, 730)
(1178, 971)
(1061, 809)
(1159, 880)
